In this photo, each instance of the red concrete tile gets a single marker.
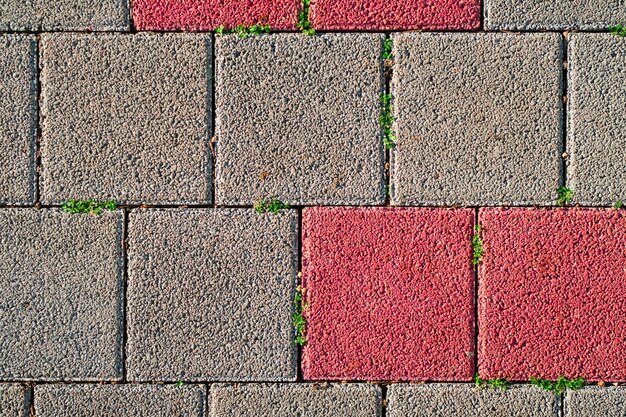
(394, 14)
(552, 298)
(390, 293)
(209, 14)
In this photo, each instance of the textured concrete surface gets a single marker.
(297, 119)
(126, 117)
(120, 400)
(460, 400)
(18, 118)
(552, 294)
(209, 14)
(210, 295)
(51, 15)
(324, 400)
(595, 402)
(477, 118)
(15, 400)
(553, 14)
(390, 294)
(60, 295)
(597, 118)
(394, 14)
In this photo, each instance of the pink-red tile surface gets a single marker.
(552, 297)
(390, 294)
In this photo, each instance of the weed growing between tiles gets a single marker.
(477, 245)
(298, 320)
(270, 206)
(386, 120)
(303, 19)
(565, 195)
(619, 30)
(88, 206)
(495, 383)
(560, 385)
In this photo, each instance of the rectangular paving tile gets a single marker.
(390, 293)
(324, 400)
(120, 400)
(394, 14)
(15, 400)
(18, 118)
(60, 295)
(553, 14)
(596, 118)
(210, 295)
(477, 118)
(595, 402)
(464, 400)
(552, 294)
(126, 117)
(51, 15)
(297, 119)
(210, 14)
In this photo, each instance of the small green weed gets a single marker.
(387, 49)
(618, 205)
(303, 19)
(244, 31)
(386, 120)
(272, 206)
(88, 206)
(560, 385)
(477, 244)
(298, 320)
(565, 195)
(179, 384)
(495, 383)
(619, 30)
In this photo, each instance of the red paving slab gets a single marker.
(552, 297)
(209, 14)
(390, 293)
(394, 14)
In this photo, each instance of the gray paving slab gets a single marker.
(306, 400)
(15, 400)
(297, 119)
(465, 400)
(18, 118)
(126, 117)
(210, 295)
(120, 400)
(595, 402)
(60, 295)
(597, 118)
(66, 15)
(477, 118)
(553, 14)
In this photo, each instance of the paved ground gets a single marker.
(426, 242)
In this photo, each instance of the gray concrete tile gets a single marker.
(595, 402)
(15, 400)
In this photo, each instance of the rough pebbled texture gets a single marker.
(18, 118)
(394, 14)
(210, 295)
(14, 400)
(120, 400)
(595, 402)
(553, 14)
(209, 14)
(461, 400)
(60, 295)
(64, 15)
(477, 117)
(390, 294)
(126, 117)
(282, 400)
(297, 119)
(597, 118)
(552, 295)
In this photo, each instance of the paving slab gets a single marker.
(552, 294)
(390, 294)
(596, 118)
(210, 295)
(18, 118)
(477, 118)
(553, 14)
(210, 14)
(120, 400)
(61, 295)
(394, 14)
(297, 119)
(464, 400)
(126, 117)
(64, 15)
(319, 400)
(15, 400)
(595, 402)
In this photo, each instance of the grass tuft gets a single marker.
(386, 120)
(88, 206)
(179, 384)
(560, 385)
(271, 206)
(565, 195)
(618, 205)
(387, 49)
(303, 19)
(244, 31)
(298, 320)
(477, 245)
(619, 30)
(495, 383)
